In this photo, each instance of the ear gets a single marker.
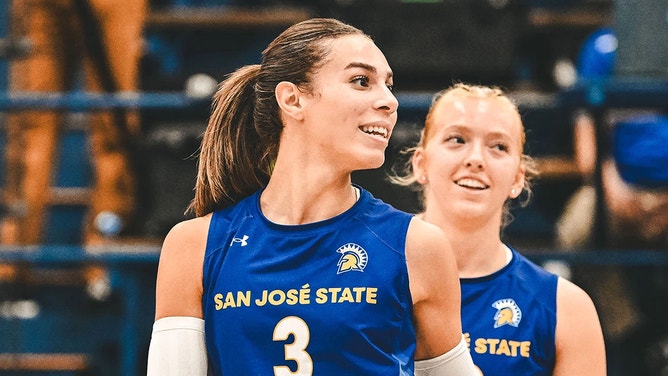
(288, 97)
(518, 184)
(419, 163)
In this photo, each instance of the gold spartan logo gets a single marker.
(507, 313)
(353, 257)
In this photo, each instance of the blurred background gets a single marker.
(102, 104)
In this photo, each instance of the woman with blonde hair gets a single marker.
(469, 165)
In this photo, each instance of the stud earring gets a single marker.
(512, 191)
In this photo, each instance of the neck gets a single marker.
(477, 244)
(294, 199)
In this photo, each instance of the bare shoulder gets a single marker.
(425, 240)
(434, 285)
(186, 241)
(573, 300)
(189, 231)
(179, 280)
(579, 338)
(570, 293)
(427, 249)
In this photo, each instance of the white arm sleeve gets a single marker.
(456, 362)
(177, 347)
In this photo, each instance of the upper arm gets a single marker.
(579, 338)
(434, 285)
(179, 280)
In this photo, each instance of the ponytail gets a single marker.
(233, 161)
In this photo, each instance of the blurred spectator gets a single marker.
(634, 186)
(95, 44)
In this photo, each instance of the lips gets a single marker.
(471, 183)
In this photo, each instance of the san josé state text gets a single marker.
(303, 295)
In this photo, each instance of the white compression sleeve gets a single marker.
(177, 347)
(456, 362)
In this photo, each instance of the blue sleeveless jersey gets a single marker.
(509, 319)
(326, 298)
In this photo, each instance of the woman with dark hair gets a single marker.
(288, 267)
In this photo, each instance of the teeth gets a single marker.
(471, 183)
(376, 130)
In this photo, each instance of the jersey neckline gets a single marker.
(306, 227)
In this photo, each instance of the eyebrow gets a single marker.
(367, 67)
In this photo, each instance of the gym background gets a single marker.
(56, 321)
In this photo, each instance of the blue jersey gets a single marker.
(509, 319)
(326, 298)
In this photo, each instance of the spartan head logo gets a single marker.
(507, 313)
(353, 257)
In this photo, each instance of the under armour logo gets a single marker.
(241, 240)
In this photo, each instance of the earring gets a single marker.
(423, 178)
(512, 191)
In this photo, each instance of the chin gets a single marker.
(365, 161)
(469, 211)
(373, 163)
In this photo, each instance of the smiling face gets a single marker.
(351, 111)
(470, 159)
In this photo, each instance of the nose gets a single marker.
(387, 101)
(474, 159)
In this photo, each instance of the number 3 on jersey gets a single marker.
(297, 349)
